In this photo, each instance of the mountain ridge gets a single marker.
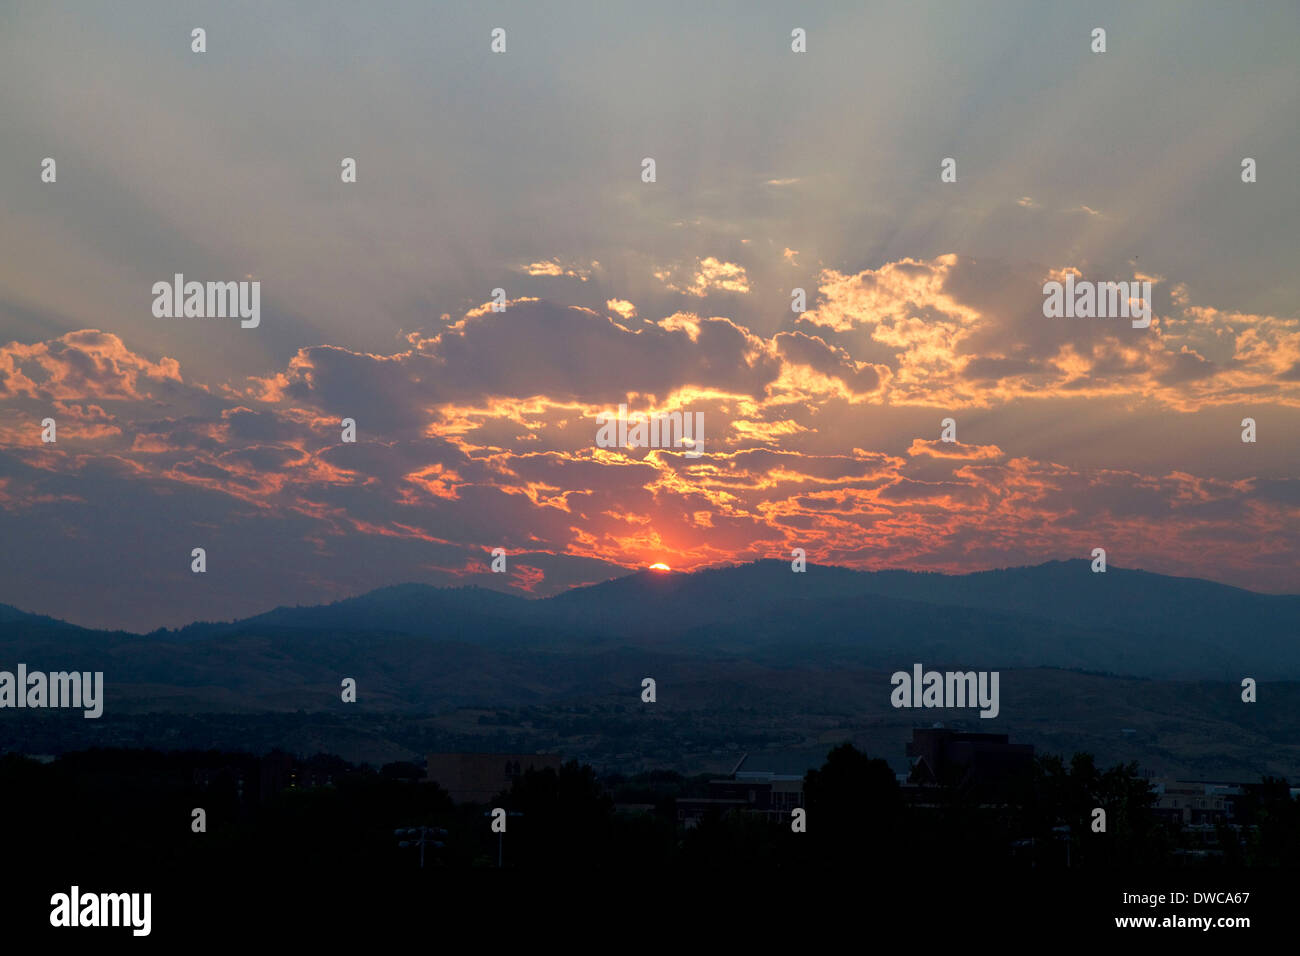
(933, 587)
(1057, 614)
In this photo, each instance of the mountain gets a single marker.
(1126, 663)
(467, 614)
(1058, 614)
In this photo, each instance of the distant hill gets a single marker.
(1126, 663)
(468, 614)
(1057, 614)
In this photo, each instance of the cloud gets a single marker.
(840, 374)
(942, 449)
(482, 434)
(953, 332)
(707, 276)
(555, 268)
(621, 307)
(80, 365)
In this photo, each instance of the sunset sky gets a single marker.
(522, 170)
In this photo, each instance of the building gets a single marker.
(983, 764)
(477, 778)
(1196, 803)
(754, 786)
(279, 771)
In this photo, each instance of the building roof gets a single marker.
(781, 764)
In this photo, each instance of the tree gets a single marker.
(854, 806)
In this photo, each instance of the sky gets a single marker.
(522, 170)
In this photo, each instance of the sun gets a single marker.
(660, 566)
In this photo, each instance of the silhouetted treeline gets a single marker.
(110, 811)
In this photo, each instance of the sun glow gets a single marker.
(660, 567)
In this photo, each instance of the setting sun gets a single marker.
(660, 567)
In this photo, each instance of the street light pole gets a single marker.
(426, 838)
(501, 834)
